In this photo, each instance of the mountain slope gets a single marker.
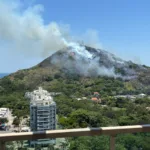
(92, 62)
(84, 71)
(79, 75)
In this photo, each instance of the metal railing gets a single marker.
(111, 131)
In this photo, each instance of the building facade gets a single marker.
(4, 112)
(42, 113)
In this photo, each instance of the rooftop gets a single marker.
(40, 97)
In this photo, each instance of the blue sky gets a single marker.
(123, 27)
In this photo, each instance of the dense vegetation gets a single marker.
(85, 113)
(75, 114)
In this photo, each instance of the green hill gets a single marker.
(61, 72)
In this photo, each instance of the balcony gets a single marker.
(43, 117)
(110, 131)
(41, 111)
(43, 114)
(41, 120)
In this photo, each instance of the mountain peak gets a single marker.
(88, 61)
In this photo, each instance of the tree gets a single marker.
(3, 120)
(50, 147)
(16, 121)
(90, 143)
(38, 147)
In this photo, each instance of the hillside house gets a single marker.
(96, 97)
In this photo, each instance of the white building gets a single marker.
(142, 95)
(4, 112)
(42, 113)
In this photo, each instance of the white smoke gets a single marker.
(24, 30)
(91, 38)
(87, 65)
(137, 60)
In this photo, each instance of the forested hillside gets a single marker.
(85, 113)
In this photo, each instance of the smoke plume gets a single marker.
(24, 30)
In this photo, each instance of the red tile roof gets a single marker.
(94, 99)
(96, 93)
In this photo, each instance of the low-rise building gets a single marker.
(4, 112)
(142, 95)
(96, 97)
(131, 97)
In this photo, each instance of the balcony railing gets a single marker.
(42, 117)
(111, 131)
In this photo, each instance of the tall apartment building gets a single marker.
(42, 113)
